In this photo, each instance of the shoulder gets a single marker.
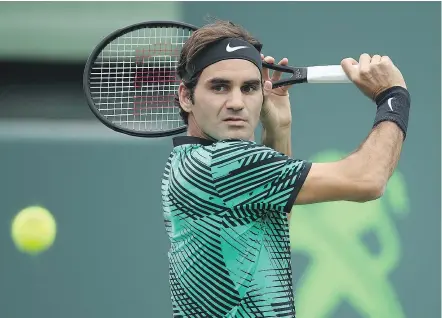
(227, 153)
(238, 148)
(234, 156)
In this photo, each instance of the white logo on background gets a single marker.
(235, 48)
(389, 103)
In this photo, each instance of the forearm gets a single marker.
(363, 175)
(375, 160)
(279, 140)
(378, 156)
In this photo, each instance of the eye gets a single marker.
(219, 88)
(250, 88)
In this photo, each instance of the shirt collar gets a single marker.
(189, 140)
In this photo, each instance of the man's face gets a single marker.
(227, 100)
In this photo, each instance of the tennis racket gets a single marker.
(309, 74)
(130, 79)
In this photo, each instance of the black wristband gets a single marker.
(393, 105)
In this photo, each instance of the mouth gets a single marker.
(235, 122)
(234, 119)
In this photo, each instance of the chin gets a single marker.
(244, 135)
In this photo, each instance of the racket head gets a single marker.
(130, 78)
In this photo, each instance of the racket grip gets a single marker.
(327, 74)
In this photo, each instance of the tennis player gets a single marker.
(226, 198)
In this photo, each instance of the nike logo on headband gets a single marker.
(235, 48)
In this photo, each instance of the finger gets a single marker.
(277, 74)
(265, 71)
(385, 60)
(364, 63)
(349, 69)
(376, 59)
(269, 59)
(265, 74)
(267, 88)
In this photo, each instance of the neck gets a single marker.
(194, 130)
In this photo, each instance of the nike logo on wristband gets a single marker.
(389, 103)
(233, 49)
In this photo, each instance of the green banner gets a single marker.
(68, 31)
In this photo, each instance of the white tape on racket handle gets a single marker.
(327, 74)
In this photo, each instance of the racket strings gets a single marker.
(133, 81)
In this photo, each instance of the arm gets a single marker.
(276, 117)
(363, 175)
(360, 177)
(279, 140)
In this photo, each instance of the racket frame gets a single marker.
(299, 74)
(96, 52)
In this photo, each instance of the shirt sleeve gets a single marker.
(245, 173)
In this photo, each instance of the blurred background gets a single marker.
(379, 259)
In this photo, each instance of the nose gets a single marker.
(235, 101)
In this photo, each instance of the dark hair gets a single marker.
(200, 39)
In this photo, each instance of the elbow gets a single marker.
(372, 190)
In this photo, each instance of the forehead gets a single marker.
(233, 69)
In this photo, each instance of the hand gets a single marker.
(374, 74)
(275, 113)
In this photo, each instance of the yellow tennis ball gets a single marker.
(33, 230)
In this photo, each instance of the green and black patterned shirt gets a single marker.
(225, 207)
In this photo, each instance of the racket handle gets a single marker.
(327, 74)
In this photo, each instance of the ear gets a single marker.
(184, 96)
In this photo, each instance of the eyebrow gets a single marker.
(218, 80)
